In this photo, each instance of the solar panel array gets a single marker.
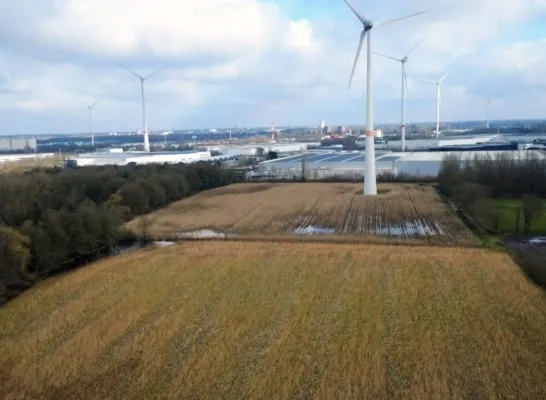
(334, 157)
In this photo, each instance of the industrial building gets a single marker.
(17, 144)
(251, 149)
(116, 157)
(119, 157)
(351, 164)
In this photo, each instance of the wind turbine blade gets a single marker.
(156, 72)
(383, 23)
(360, 43)
(94, 104)
(406, 79)
(415, 47)
(444, 77)
(361, 17)
(131, 72)
(383, 55)
(426, 80)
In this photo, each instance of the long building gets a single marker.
(351, 164)
(124, 158)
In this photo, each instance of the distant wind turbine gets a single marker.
(488, 107)
(144, 123)
(370, 184)
(90, 108)
(403, 61)
(438, 100)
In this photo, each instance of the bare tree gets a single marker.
(144, 227)
(304, 166)
(532, 209)
(518, 218)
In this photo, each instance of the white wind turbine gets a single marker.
(438, 100)
(403, 61)
(144, 123)
(370, 184)
(488, 107)
(90, 108)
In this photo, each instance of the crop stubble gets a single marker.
(292, 320)
(404, 212)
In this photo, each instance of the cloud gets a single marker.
(249, 62)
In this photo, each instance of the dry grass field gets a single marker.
(406, 212)
(235, 320)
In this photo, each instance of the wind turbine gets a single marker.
(144, 123)
(438, 100)
(488, 107)
(90, 108)
(370, 184)
(403, 61)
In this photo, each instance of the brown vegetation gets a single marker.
(234, 320)
(405, 212)
(29, 163)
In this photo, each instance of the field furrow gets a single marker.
(403, 212)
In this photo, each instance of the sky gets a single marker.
(254, 62)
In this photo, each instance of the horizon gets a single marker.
(378, 125)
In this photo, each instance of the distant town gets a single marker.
(348, 136)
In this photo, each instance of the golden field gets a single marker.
(403, 212)
(235, 320)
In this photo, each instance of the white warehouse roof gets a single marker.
(468, 155)
(142, 158)
(418, 164)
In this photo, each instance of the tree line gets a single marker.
(51, 218)
(473, 182)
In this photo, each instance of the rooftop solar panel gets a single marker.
(357, 159)
(341, 157)
(322, 158)
(390, 158)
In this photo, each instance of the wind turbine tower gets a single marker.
(403, 61)
(370, 183)
(144, 123)
(488, 107)
(90, 108)
(438, 100)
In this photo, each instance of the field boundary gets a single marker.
(355, 240)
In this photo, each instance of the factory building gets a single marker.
(17, 144)
(420, 144)
(351, 164)
(250, 150)
(117, 158)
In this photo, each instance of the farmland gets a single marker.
(507, 210)
(530, 252)
(405, 212)
(238, 320)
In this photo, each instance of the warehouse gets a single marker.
(350, 164)
(121, 158)
(251, 149)
(420, 144)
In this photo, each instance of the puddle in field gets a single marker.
(206, 234)
(164, 243)
(409, 229)
(312, 230)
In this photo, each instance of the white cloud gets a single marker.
(247, 62)
(163, 28)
